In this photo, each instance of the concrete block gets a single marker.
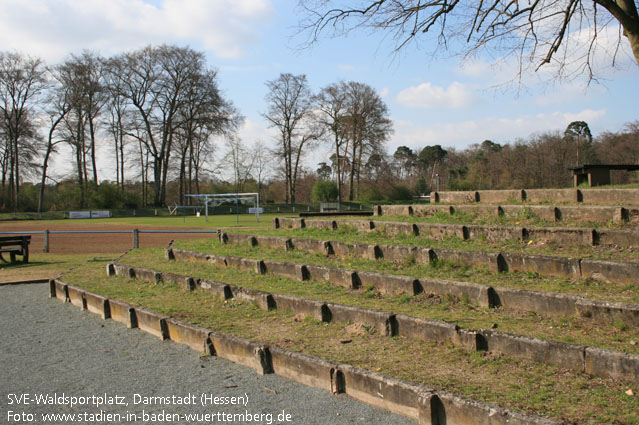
(425, 210)
(123, 312)
(608, 312)
(542, 264)
(194, 337)
(311, 245)
(284, 269)
(500, 196)
(97, 304)
(123, 271)
(545, 303)
(396, 210)
(291, 223)
(264, 300)
(185, 282)
(184, 255)
(567, 356)
(381, 321)
(628, 238)
(322, 224)
(555, 196)
(492, 233)
(218, 260)
(364, 226)
(610, 196)
(221, 290)
(425, 329)
(585, 214)
(470, 340)
(612, 364)
(475, 292)
(61, 290)
(340, 277)
(76, 296)
(276, 222)
(236, 239)
(307, 370)
(470, 258)
(399, 253)
(298, 305)
(454, 410)
(381, 391)
(110, 269)
(560, 235)
(274, 242)
(543, 212)
(241, 351)
(611, 271)
(244, 264)
(52, 293)
(152, 322)
(455, 197)
(477, 210)
(438, 231)
(389, 284)
(147, 275)
(391, 228)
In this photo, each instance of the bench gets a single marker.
(15, 245)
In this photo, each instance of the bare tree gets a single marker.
(368, 126)
(58, 106)
(22, 80)
(289, 110)
(537, 32)
(331, 103)
(239, 161)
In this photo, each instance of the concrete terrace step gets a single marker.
(585, 196)
(578, 214)
(427, 406)
(580, 358)
(565, 235)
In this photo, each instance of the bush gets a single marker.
(401, 192)
(324, 191)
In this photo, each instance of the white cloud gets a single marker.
(428, 96)
(500, 130)
(53, 29)
(383, 92)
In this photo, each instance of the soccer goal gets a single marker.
(237, 199)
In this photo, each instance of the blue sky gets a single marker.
(431, 101)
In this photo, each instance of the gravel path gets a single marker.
(49, 347)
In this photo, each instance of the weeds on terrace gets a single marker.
(461, 311)
(528, 386)
(381, 236)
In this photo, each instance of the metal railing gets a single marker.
(134, 232)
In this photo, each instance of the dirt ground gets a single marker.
(98, 242)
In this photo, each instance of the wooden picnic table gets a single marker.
(15, 245)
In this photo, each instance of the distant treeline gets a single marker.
(159, 113)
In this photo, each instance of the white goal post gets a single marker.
(215, 199)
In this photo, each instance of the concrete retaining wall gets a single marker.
(152, 322)
(566, 235)
(555, 304)
(123, 312)
(418, 402)
(556, 353)
(500, 196)
(580, 214)
(585, 196)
